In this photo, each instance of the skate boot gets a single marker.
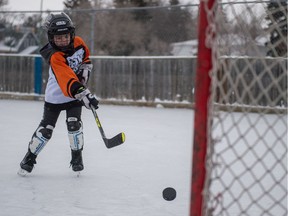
(27, 164)
(76, 161)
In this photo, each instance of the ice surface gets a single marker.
(124, 181)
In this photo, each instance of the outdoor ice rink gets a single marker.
(125, 181)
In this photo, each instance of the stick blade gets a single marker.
(115, 141)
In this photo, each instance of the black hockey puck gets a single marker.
(169, 193)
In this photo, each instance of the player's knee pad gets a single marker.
(75, 133)
(40, 138)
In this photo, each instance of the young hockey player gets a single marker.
(69, 69)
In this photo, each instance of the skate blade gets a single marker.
(22, 172)
(78, 173)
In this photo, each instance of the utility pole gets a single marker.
(95, 5)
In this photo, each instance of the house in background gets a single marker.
(229, 45)
(20, 42)
(184, 48)
(239, 45)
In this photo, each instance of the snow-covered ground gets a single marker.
(124, 181)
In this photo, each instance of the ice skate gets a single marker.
(27, 164)
(76, 161)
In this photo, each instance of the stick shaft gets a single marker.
(98, 123)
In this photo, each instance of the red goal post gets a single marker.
(240, 126)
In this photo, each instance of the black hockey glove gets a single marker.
(88, 100)
(83, 73)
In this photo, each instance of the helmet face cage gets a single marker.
(59, 24)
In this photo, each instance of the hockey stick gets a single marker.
(114, 141)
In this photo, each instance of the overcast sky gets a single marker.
(50, 4)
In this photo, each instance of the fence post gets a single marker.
(38, 75)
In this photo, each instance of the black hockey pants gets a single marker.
(52, 112)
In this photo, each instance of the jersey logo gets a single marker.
(76, 59)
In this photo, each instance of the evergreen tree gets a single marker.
(277, 22)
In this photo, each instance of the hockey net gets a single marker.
(244, 150)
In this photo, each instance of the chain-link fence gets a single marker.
(151, 31)
(156, 32)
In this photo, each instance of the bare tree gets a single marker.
(81, 19)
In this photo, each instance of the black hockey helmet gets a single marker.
(58, 24)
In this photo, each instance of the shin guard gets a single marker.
(40, 138)
(75, 133)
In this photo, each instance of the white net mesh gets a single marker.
(247, 152)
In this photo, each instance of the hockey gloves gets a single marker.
(83, 73)
(88, 100)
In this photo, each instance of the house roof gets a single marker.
(29, 50)
(16, 49)
(184, 48)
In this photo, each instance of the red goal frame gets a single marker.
(202, 92)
